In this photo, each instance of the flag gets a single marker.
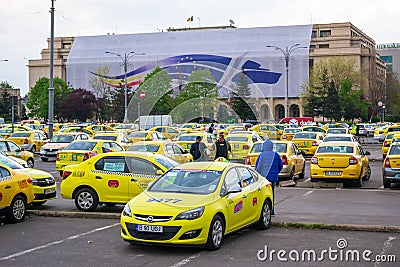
(189, 19)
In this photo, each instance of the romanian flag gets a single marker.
(189, 19)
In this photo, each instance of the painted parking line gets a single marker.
(307, 180)
(307, 193)
(186, 261)
(24, 252)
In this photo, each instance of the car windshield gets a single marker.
(337, 131)
(105, 137)
(81, 146)
(277, 147)
(137, 134)
(21, 135)
(62, 139)
(191, 138)
(305, 136)
(187, 181)
(237, 139)
(144, 148)
(10, 163)
(292, 130)
(337, 138)
(335, 149)
(166, 162)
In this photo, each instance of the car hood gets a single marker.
(34, 173)
(55, 145)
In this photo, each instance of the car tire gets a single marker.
(358, 182)
(61, 173)
(264, 221)
(44, 159)
(86, 199)
(33, 149)
(368, 174)
(215, 233)
(386, 184)
(17, 210)
(30, 162)
(383, 156)
(303, 172)
(291, 175)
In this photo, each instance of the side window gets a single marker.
(111, 164)
(4, 172)
(178, 150)
(247, 177)
(36, 136)
(169, 149)
(84, 137)
(13, 147)
(78, 137)
(106, 147)
(116, 147)
(154, 136)
(232, 179)
(294, 150)
(170, 130)
(3, 146)
(141, 166)
(254, 138)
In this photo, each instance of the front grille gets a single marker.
(169, 232)
(151, 218)
(45, 196)
(45, 182)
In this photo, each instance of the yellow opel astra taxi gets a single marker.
(340, 161)
(16, 192)
(113, 177)
(197, 203)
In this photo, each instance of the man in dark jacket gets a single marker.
(269, 164)
(222, 147)
(198, 150)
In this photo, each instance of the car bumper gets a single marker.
(285, 172)
(346, 174)
(45, 154)
(391, 175)
(44, 193)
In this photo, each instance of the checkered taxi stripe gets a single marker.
(126, 174)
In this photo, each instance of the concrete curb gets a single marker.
(300, 225)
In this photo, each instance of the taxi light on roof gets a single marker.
(387, 163)
(314, 160)
(353, 160)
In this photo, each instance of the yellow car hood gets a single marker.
(34, 173)
(55, 145)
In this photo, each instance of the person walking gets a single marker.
(198, 150)
(211, 128)
(269, 164)
(223, 148)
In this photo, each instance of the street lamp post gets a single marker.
(125, 60)
(286, 53)
(51, 87)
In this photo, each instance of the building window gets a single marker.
(313, 46)
(323, 46)
(313, 34)
(325, 33)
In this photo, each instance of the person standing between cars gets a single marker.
(211, 128)
(223, 148)
(269, 164)
(198, 150)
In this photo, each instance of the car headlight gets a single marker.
(190, 214)
(127, 211)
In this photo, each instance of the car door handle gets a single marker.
(133, 180)
(7, 187)
(244, 196)
(99, 177)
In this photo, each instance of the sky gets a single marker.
(25, 24)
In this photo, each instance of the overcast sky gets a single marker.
(25, 24)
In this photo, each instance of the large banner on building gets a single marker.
(257, 52)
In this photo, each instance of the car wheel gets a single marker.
(265, 217)
(383, 156)
(291, 175)
(368, 174)
(39, 203)
(61, 173)
(386, 184)
(30, 162)
(86, 199)
(33, 149)
(17, 210)
(44, 159)
(358, 182)
(215, 233)
(303, 172)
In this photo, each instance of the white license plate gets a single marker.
(149, 228)
(333, 173)
(235, 146)
(49, 190)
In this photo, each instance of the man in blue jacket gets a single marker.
(269, 164)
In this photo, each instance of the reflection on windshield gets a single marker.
(144, 148)
(10, 163)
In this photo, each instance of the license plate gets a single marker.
(149, 228)
(49, 190)
(305, 144)
(333, 173)
(235, 146)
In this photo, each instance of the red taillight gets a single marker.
(246, 147)
(88, 155)
(314, 160)
(386, 144)
(387, 163)
(66, 174)
(284, 160)
(314, 143)
(283, 136)
(26, 141)
(58, 157)
(353, 161)
(30, 180)
(247, 161)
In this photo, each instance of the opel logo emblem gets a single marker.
(150, 219)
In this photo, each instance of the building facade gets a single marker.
(390, 53)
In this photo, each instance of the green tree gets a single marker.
(332, 105)
(5, 85)
(5, 106)
(79, 105)
(351, 101)
(222, 114)
(240, 97)
(38, 98)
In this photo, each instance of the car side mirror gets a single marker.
(234, 189)
(19, 149)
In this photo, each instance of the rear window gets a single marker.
(191, 138)
(137, 134)
(335, 149)
(81, 146)
(292, 130)
(305, 136)
(394, 129)
(277, 147)
(337, 138)
(394, 150)
(20, 135)
(62, 139)
(105, 137)
(237, 139)
(144, 148)
(337, 131)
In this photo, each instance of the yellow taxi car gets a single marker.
(8, 130)
(288, 133)
(75, 129)
(12, 149)
(229, 128)
(127, 127)
(341, 130)
(29, 140)
(16, 192)
(137, 136)
(292, 158)
(313, 129)
(118, 137)
(391, 166)
(387, 142)
(197, 204)
(241, 144)
(44, 185)
(59, 142)
(163, 147)
(81, 150)
(112, 178)
(186, 141)
(340, 161)
(99, 127)
(267, 129)
(308, 141)
(189, 127)
(167, 131)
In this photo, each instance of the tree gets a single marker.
(393, 90)
(351, 101)
(332, 106)
(5, 106)
(5, 85)
(79, 105)
(240, 99)
(38, 98)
